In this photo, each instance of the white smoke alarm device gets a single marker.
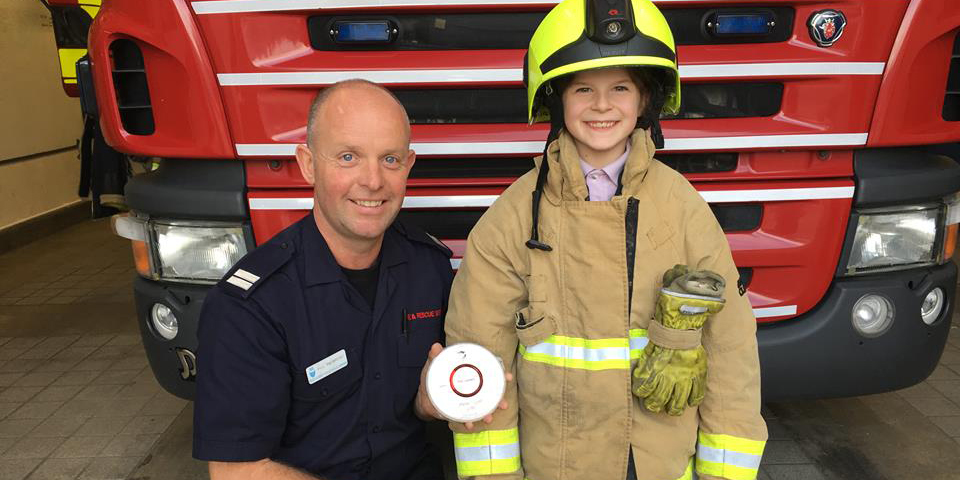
(465, 382)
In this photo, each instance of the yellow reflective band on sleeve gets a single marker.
(729, 457)
(487, 453)
(68, 62)
(638, 341)
(587, 354)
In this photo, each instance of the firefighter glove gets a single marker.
(672, 369)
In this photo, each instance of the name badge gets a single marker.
(320, 370)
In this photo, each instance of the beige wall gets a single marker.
(35, 117)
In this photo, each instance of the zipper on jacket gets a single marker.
(633, 207)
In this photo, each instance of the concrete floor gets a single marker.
(77, 399)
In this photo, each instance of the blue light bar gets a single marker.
(743, 24)
(361, 32)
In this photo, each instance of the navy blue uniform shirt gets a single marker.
(295, 366)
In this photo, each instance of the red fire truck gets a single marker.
(815, 130)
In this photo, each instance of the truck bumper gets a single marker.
(173, 361)
(816, 355)
(820, 355)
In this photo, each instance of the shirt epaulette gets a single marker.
(252, 270)
(417, 234)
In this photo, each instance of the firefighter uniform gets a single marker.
(563, 321)
(294, 365)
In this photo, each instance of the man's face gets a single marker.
(358, 165)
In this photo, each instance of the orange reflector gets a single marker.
(141, 258)
(950, 242)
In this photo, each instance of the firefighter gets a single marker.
(564, 292)
(311, 348)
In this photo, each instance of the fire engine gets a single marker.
(815, 129)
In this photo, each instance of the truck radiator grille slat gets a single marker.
(130, 85)
(512, 30)
(508, 105)
(512, 167)
(456, 224)
(951, 100)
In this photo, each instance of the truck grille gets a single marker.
(951, 100)
(508, 105)
(130, 84)
(512, 30)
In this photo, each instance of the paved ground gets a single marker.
(77, 399)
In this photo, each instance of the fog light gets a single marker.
(932, 305)
(872, 315)
(164, 321)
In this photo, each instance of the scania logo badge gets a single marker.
(826, 26)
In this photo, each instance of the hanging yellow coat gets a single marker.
(572, 414)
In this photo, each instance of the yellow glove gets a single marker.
(672, 369)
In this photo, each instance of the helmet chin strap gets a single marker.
(552, 102)
(656, 133)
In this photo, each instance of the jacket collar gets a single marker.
(321, 267)
(565, 178)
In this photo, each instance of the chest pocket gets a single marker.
(423, 328)
(659, 234)
(335, 379)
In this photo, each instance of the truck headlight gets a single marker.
(889, 240)
(182, 251)
(191, 252)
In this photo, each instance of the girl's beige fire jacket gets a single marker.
(571, 413)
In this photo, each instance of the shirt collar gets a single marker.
(319, 263)
(612, 169)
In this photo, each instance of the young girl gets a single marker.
(562, 276)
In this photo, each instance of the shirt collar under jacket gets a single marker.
(565, 179)
(612, 169)
(319, 263)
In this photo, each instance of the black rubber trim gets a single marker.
(88, 97)
(738, 217)
(491, 167)
(185, 301)
(709, 162)
(585, 49)
(746, 276)
(820, 355)
(191, 189)
(848, 237)
(689, 25)
(951, 98)
(889, 176)
(451, 30)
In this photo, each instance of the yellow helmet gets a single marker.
(581, 35)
